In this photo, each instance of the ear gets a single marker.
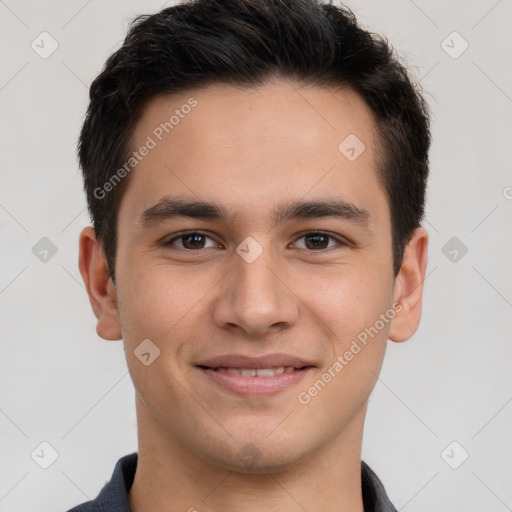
(408, 290)
(102, 292)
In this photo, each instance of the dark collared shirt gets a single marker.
(114, 495)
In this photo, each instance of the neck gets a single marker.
(170, 478)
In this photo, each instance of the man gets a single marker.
(256, 172)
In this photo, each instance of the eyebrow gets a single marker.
(169, 208)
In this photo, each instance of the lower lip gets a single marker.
(255, 386)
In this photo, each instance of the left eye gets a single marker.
(314, 240)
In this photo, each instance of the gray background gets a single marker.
(62, 384)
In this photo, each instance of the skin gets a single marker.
(251, 149)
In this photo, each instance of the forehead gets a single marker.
(212, 115)
(246, 146)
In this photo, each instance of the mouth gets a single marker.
(256, 372)
(251, 376)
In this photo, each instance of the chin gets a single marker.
(258, 455)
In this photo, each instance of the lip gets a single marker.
(255, 385)
(266, 361)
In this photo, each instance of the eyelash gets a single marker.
(169, 243)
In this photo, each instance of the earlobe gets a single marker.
(99, 286)
(408, 289)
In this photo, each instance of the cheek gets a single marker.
(167, 307)
(158, 306)
(157, 301)
(348, 300)
(352, 309)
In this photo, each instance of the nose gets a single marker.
(257, 297)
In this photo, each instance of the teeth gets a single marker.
(260, 372)
(265, 372)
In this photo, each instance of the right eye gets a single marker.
(190, 241)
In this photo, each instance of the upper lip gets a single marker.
(266, 361)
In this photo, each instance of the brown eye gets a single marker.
(316, 240)
(189, 241)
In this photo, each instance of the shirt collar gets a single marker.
(114, 495)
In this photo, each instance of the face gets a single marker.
(258, 278)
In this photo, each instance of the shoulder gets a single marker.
(375, 498)
(114, 495)
(88, 506)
